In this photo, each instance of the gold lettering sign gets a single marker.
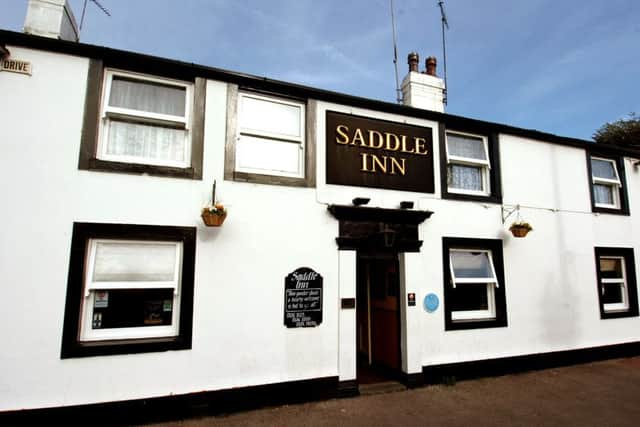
(15, 66)
(377, 153)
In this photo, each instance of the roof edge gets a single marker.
(191, 70)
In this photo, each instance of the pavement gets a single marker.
(595, 394)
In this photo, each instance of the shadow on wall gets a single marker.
(559, 304)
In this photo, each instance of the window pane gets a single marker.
(612, 293)
(147, 96)
(469, 296)
(268, 155)
(466, 146)
(145, 141)
(465, 177)
(128, 308)
(611, 268)
(270, 116)
(603, 194)
(134, 262)
(603, 169)
(471, 265)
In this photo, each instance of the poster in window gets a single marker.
(153, 312)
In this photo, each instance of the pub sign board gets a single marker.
(303, 299)
(366, 152)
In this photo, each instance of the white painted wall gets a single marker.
(551, 291)
(552, 301)
(238, 333)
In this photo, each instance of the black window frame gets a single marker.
(234, 94)
(82, 233)
(495, 246)
(632, 286)
(91, 125)
(624, 198)
(493, 148)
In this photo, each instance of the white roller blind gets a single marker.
(134, 262)
(270, 116)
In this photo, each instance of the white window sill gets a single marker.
(470, 316)
(468, 192)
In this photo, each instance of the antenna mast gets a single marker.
(445, 23)
(84, 8)
(395, 54)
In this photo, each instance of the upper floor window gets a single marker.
(145, 120)
(139, 123)
(268, 139)
(607, 184)
(271, 136)
(617, 291)
(468, 164)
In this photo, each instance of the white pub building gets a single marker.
(359, 241)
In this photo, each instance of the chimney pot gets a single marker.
(423, 89)
(413, 60)
(431, 65)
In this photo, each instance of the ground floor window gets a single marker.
(130, 289)
(617, 291)
(474, 283)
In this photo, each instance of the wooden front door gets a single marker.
(379, 314)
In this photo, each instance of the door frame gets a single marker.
(370, 257)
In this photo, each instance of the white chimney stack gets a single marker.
(51, 18)
(423, 90)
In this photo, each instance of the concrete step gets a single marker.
(379, 388)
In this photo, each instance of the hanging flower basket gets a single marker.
(214, 215)
(520, 228)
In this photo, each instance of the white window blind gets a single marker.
(125, 264)
(271, 138)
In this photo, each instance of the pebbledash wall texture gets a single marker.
(116, 291)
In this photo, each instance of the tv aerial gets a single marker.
(395, 53)
(445, 25)
(97, 3)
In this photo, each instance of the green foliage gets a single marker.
(621, 132)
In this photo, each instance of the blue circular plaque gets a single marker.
(431, 303)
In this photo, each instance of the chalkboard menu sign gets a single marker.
(303, 299)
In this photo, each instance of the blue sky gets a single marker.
(564, 67)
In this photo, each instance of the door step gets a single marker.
(380, 388)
